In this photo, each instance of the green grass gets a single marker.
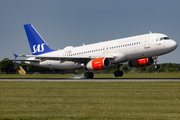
(89, 100)
(129, 75)
(141, 75)
(36, 76)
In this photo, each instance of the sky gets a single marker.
(73, 22)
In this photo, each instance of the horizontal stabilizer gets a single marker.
(15, 56)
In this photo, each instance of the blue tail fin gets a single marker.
(37, 44)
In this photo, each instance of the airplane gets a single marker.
(138, 51)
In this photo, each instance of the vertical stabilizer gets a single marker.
(37, 44)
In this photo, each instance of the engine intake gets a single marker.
(141, 62)
(98, 64)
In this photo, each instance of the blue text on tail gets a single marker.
(37, 44)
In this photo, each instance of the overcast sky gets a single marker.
(74, 22)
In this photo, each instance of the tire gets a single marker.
(120, 73)
(116, 73)
(86, 75)
(157, 66)
(91, 75)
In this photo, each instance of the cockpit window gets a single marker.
(164, 38)
(161, 38)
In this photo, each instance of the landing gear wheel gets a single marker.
(86, 75)
(118, 73)
(89, 75)
(157, 66)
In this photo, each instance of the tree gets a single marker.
(133, 70)
(141, 69)
(150, 69)
(17, 68)
(124, 67)
(6, 66)
(178, 69)
(170, 67)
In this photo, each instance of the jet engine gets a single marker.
(98, 64)
(141, 62)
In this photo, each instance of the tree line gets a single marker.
(9, 67)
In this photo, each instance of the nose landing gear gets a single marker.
(157, 66)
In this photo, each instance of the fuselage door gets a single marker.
(147, 41)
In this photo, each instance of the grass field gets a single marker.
(89, 100)
(130, 75)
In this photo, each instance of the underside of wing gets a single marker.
(24, 60)
(77, 59)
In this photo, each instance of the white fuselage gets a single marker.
(123, 50)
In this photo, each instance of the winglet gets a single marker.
(15, 56)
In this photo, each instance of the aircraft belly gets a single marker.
(57, 65)
(67, 65)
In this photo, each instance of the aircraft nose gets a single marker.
(173, 44)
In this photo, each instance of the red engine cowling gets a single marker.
(98, 64)
(141, 62)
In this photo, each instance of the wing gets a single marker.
(77, 59)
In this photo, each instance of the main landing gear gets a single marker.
(157, 66)
(89, 75)
(118, 73)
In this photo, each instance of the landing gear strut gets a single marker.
(118, 73)
(89, 75)
(157, 66)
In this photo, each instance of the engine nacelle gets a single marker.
(98, 64)
(141, 62)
